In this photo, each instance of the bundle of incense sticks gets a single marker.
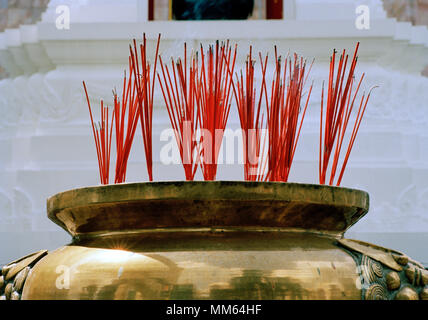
(197, 97)
(251, 118)
(126, 115)
(213, 88)
(179, 94)
(338, 109)
(102, 138)
(283, 113)
(144, 87)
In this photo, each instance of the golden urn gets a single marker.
(212, 240)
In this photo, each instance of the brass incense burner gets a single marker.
(212, 240)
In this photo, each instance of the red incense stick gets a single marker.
(144, 86)
(284, 115)
(102, 138)
(178, 91)
(126, 117)
(335, 117)
(213, 87)
(251, 118)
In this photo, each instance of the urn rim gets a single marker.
(169, 205)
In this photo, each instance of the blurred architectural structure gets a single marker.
(14, 13)
(415, 11)
(45, 138)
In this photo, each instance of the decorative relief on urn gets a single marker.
(386, 274)
(14, 275)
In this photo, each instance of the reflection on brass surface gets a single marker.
(407, 293)
(271, 265)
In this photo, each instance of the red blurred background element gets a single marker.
(274, 9)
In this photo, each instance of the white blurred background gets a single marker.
(46, 143)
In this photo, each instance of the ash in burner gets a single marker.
(212, 10)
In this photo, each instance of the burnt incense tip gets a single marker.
(372, 88)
